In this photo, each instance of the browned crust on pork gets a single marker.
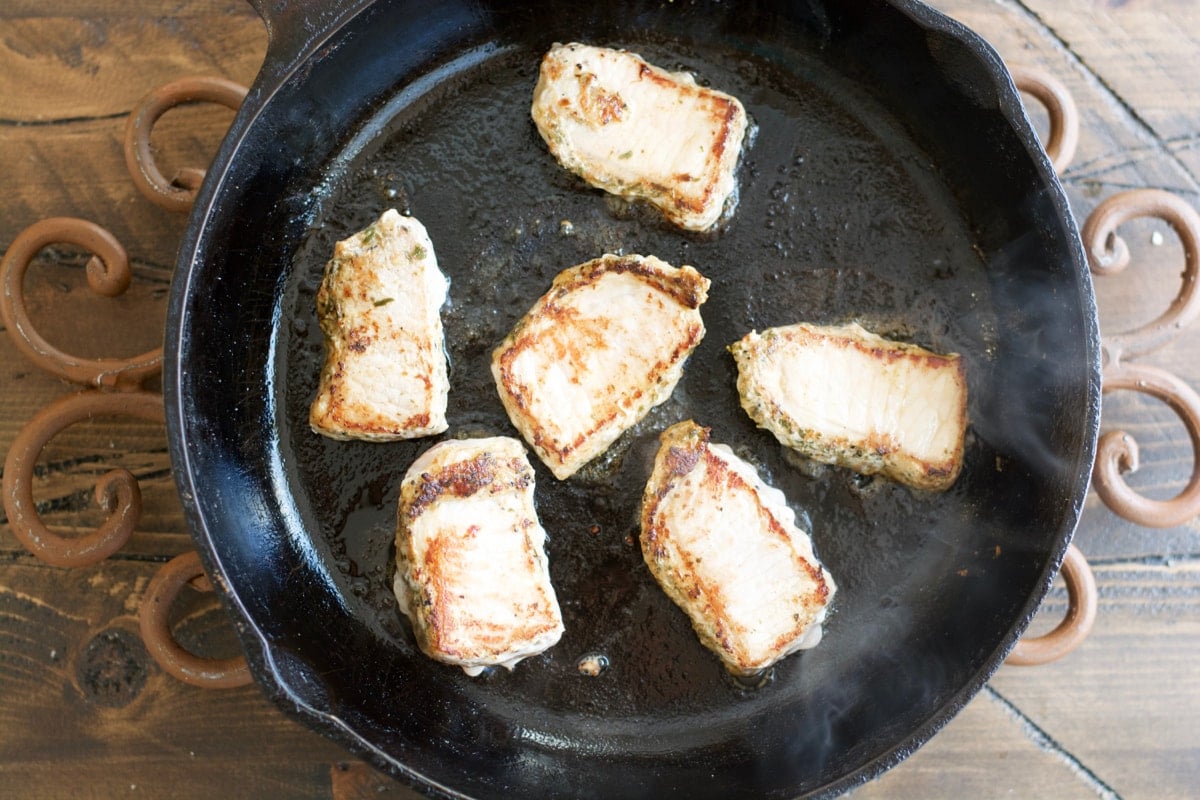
(685, 286)
(464, 479)
(350, 280)
(721, 106)
(600, 108)
(443, 626)
(683, 448)
(448, 628)
(878, 453)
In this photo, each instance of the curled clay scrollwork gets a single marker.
(1082, 601)
(117, 491)
(1108, 254)
(1117, 453)
(117, 390)
(1060, 106)
(178, 193)
(154, 622)
(108, 274)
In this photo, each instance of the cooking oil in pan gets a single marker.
(840, 217)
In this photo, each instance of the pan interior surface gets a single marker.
(858, 200)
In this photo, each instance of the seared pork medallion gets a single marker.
(843, 395)
(595, 353)
(637, 131)
(379, 306)
(726, 548)
(471, 568)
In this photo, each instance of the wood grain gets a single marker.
(85, 712)
(1145, 54)
(1147, 635)
(85, 706)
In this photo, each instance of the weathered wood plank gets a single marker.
(1116, 718)
(59, 68)
(354, 780)
(1146, 53)
(108, 9)
(1119, 715)
(77, 169)
(984, 741)
(1118, 150)
(86, 709)
(1126, 705)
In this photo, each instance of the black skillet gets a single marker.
(893, 179)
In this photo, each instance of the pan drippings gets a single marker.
(841, 218)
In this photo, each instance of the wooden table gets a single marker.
(85, 712)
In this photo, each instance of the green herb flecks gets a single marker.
(417, 253)
(383, 301)
(327, 309)
(369, 234)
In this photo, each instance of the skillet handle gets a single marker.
(296, 27)
(1082, 600)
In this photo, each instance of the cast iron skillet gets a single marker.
(893, 179)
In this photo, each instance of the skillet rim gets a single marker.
(291, 46)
